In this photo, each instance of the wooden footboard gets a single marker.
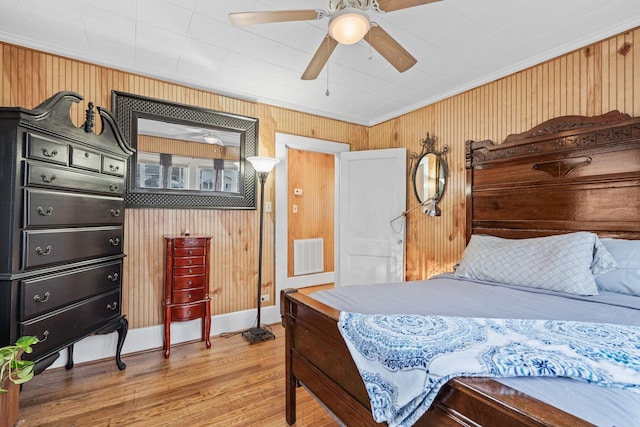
(317, 357)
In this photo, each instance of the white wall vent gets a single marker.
(308, 256)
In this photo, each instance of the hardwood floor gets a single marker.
(231, 384)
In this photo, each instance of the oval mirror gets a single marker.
(429, 176)
(429, 179)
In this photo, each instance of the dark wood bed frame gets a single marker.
(567, 174)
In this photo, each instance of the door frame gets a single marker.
(283, 143)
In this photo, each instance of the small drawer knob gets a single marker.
(47, 250)
(46, 153)
(38, 299)
(44, 212)
(48, 179)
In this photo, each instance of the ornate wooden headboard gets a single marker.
(567, 174)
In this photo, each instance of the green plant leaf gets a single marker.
(18, 371)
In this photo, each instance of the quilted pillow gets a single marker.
(626, 278)
(562, 263)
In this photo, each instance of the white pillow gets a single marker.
(561, 263)
(626, 278)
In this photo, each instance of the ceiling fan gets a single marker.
(348, 24)
(210, 137)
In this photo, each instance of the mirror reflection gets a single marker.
(186, 156)
(429, 178)
(429, 175)
(179, 157)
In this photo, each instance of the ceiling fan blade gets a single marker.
(320, 58)
(251, 18)
(391, 5)
(390, 49)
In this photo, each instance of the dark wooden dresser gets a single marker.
(186, 292)
(62, 227)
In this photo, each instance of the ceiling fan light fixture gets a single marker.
(212, 140)
(349, 25)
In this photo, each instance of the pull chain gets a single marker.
(327, 93)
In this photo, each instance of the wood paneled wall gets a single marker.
(155, 144)
(314, 174)
(593, 80)
(29, 77)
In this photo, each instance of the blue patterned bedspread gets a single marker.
(404, 360)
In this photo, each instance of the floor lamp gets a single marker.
(263, 166)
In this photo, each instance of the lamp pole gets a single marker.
(262, 176)
(263, 166)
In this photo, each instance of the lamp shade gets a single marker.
(263, 164)
(349, 25)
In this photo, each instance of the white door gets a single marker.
(372, 193)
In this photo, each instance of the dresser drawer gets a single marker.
(182, 297)
(188, 312)
(188, 242)
(188, 261)
(60, 328)
(50, 176)
(49, 150)
(188, 282)
(50, 292)
(187, 252)
(42, 247)
(113, 166)
(85, 159)
(188, 271)
(59, 209)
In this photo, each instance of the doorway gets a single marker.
(384, 200)
(284, 142)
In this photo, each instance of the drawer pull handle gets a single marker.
(190, 282)
(113, 306)
(46, 153)
(47, 250)
(114, 242)
(188, 296)
(45, 335)
(115, 212)
(189, 312)
(190, 252)
(113, 187)
(190, 261)
(113, 277)
(42, 212)
(190, 270)
(46, 179)
(113, 168)
(37, 298)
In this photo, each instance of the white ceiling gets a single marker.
(459, 44)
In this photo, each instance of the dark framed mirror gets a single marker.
(429, 175)
(186, 156)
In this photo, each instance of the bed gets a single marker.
(565, 176)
